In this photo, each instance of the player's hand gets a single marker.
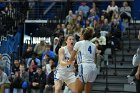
(71, 62)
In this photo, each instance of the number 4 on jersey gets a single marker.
(89, 49)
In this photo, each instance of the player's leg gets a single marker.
(70, 81)
(58, 86)
(90, 76)
(88, 87)
(67, 90)
(72, 87)
(79, 86)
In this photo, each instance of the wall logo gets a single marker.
(7, 59)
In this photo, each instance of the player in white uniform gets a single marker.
(87, 70)
(65, 71)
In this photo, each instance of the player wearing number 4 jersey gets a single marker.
(65, 71)
(85, 51)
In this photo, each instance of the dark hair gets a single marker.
(51, 59)
(22, 64)
(16, 59)
(53, 66)
(87, 33)
(34, 62)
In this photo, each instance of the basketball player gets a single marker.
(65, 71)
(85, 51)
(137, 74)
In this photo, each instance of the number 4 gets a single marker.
(89, 49)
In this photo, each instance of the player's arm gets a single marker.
(139, 35)
(61, 57)
(71, 61)
(137, 75)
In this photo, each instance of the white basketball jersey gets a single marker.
(66, 57)
(85, 51)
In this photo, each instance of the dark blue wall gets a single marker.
(136, 9)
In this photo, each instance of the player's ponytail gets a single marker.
(88, 33)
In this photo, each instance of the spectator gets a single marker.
(84, 8)
(56, 45)
(21, 79)
(80, 13)
(74, 20)
(32, 69)
(45, 60)
(77, 30)
(93, 16)
(96, 26)
(38, 80)
(70, 28)
(125, 12)
(80, 21)
(4, 82)
(32, 65)
(15, 66)
(111, 9)
(100, 39)
(101, 21)
(116, 34)
(115, 16)
(49, 87)
(88, 23)
(105, 28)
(49, 52)
(63, 27)
(47, 66)
(99, 53)
(69, 17)
(34, 57)
(115, 28)
(94, 8)
(40, 48)
(28, 53)
(58, 31)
